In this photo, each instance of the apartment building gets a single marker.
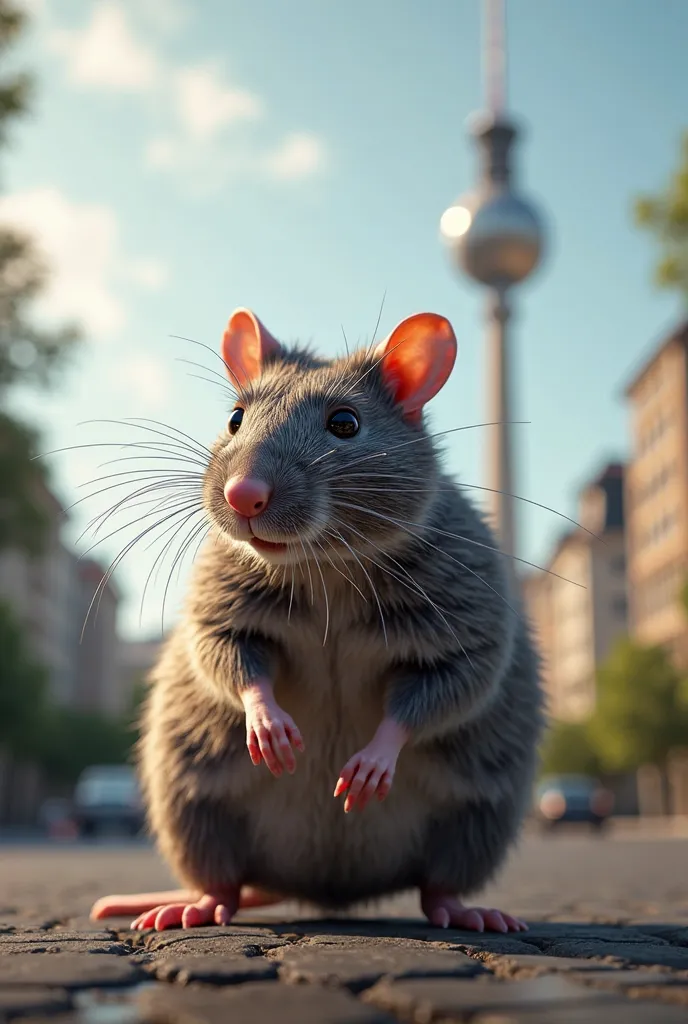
(657, 496)
(50, 595)
(578, 607)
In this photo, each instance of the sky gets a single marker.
(185, 158)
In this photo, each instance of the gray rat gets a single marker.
(349, 606)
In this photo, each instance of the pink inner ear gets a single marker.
(246, 344)
(416, 360)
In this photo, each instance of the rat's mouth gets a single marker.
(268, 546)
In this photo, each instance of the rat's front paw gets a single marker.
(270, 733)
(370, 772)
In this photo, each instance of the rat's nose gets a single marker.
(247, 495)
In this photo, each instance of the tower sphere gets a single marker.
(494, 236)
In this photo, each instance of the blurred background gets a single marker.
(166, 161)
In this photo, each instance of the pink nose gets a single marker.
(247, 495)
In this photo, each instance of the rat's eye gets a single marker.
(235, 420)
(343, 423)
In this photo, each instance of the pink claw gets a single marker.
(444, 910)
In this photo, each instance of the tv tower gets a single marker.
(496, 237)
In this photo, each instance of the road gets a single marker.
(609, 920)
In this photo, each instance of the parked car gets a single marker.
(572, 798)
(107, 799)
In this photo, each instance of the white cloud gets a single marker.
(299, 156)
(194, 108)
(165, 15)
(81, 245)
(144, 378)
(149, 273)
(105, 52)
(205, 103)
(161, 153)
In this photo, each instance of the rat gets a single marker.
(349, 632)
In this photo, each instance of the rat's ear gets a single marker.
(246, 344)
(416, 360)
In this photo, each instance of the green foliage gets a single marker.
(22, 520)
(568, 750)
(69, 741)
(22, 686)
(666, 216)
(640, 714)
(28, 354)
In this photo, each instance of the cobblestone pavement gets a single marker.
(608, 942)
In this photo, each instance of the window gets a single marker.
(660, 590)
(617, 564)
(620, 605)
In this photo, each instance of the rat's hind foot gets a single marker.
(209, 909)
(443, 910)
(150, 905)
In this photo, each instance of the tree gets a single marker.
(28, 354)
(640, 715)
(568, 750)
(666, 216)
(22, 687)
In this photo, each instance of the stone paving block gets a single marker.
(18, 1001)
(554, 931)
(632, 952)
(357, 969)
(532, 966)
(452, 999)
(260, 1001)
(22, 940)
(214, 970)
(211, 941)
(620, 1012)
(67, 970)
(676, 934)
(477, 944)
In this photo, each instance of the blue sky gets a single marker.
(187, 158)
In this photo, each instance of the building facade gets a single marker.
(657, 497)
(578, 607)
(49, 595)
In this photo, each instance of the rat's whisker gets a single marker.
(401, 523)
(184, 459)
(168, 501)
(191, 536)
(158, 561)
(341, 573)
(113, 565)
(320, 457)
(241, 390)
(119, 529)
(449, 487)
(194, 448)
(291, 596)
(327, 600)
(184, 490)
(342, 540)
(308, 567)
(143, 421)
(123, 483)
(416, 587)
(221, 379)
(378, 321)
(438, 433)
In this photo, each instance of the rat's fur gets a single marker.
(454, 661)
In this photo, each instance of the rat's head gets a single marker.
(326, 459)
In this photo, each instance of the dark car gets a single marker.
(107, 799)
(572, 798)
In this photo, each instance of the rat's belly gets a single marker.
(302, 843)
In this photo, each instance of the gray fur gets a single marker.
(456, 664)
